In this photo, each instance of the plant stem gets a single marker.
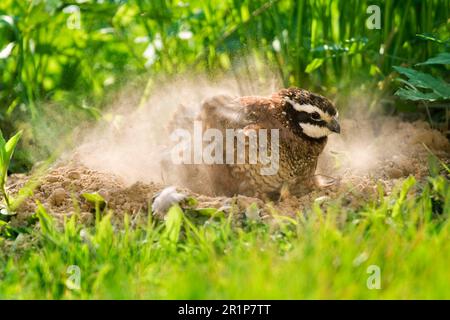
(5, 196)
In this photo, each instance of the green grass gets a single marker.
(324, 253)
(318, 44)
(55, 78)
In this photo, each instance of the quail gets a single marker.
(303, 120)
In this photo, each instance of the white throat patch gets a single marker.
(314, 131)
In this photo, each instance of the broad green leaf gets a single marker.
(426, 81)
(415, 95)
(442, 58)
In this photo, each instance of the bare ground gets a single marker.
(367, 154)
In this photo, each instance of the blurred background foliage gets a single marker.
(56, 68)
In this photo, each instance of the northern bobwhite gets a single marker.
(303, 119)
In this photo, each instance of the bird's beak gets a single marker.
(334, 126)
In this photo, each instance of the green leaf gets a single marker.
(191, 202)
(125, 15)
(8, 20)
(407, 185)
(6, 152)
(415, 95)
(442, 58)
(245, 14)
(313, 65)
(2, 151)
(45, 220)
(2, 140)
(94, 198)
(426, 81)
(52, 5)
(11, 145)
(174, 219)
(210, 212)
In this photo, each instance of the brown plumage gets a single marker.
(304, 120)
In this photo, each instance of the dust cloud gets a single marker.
(120, 158)
(134, 140)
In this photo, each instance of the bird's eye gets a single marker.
(315, 116)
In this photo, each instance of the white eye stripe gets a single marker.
(308, 108)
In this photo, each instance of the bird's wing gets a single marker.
(182, 118)
(221, 111)
(224, 111)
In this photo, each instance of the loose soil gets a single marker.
(367, 154)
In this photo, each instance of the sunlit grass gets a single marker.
(323, 254)
(54, 78)
(68, 72)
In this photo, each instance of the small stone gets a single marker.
(86, 218)
(394, 173)
(52, 179)
(58, 196)
(66, 183)
(74, 175)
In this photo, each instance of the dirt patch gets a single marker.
(366, 154)
(383, 148)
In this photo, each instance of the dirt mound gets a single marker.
(368, 152)
(61, 192)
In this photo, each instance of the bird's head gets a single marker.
(308, 113)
